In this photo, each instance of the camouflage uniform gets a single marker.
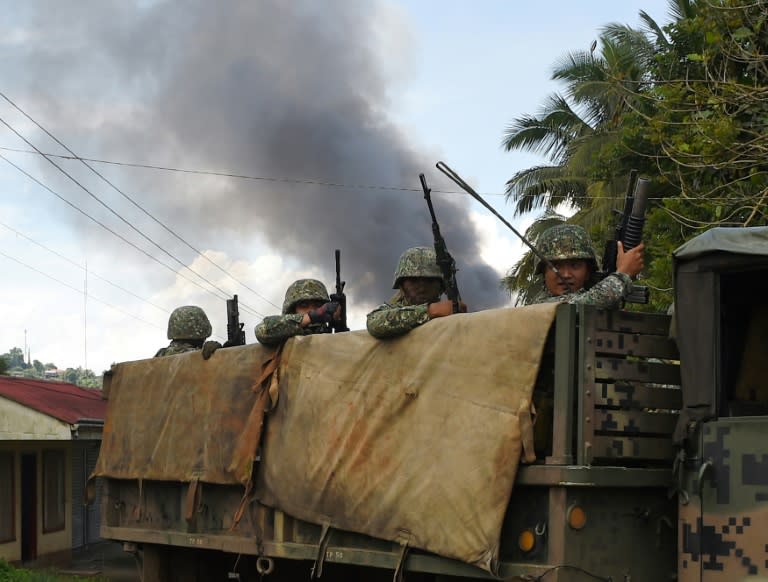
(607, 294)
(275, 329)
(179, 347)
(570, 242)
(188, 327)
(397, 316)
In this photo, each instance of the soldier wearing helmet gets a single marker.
(188, 327)
(569, 249)
(420, 285)
(307, 309)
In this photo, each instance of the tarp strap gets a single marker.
(90, 490)
(268, 369)
(526, 415)
(190, 504)
(243, 504)
(325, 537)
(137, 510)
(400, 568)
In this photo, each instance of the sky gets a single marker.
(285, 129)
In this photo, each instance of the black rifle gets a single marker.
(444, 259)
(340, 298)
(629, 231)
(235, 333)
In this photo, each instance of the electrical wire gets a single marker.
(540, 577)
(241, 176)
(121, 218)
(111, 231)
(60, 282)
(81, 267)
(132, 201)
(313, 182)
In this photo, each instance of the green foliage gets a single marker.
(685, 104)
(12, 362)
(10, 574)
(15, 358)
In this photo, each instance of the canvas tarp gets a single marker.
(183, 418)
(415, 439)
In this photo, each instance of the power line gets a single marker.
(132, 201)
(243, 176)
(60, 282)
(120, 217)
(79, 266)
(303, 181)
(108, 229)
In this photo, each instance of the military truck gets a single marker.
(541, 443)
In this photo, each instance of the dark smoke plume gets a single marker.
(272, 88)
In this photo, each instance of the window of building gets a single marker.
(7, 501)
(54, 490)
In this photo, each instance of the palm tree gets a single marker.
(579, 132)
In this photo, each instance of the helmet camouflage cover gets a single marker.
(188, 323)
(304, 290)
(417, 262)
(564, 242)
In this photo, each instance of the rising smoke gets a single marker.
(273, 88)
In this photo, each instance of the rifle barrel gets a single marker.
(445, 169)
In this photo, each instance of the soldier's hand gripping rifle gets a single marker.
(340, 298)
(445, 169)
(444, 259)
(629, 231)
(235, 333)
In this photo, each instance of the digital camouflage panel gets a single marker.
(179, 347)
(396, 318)
(417, 262)
(606, 294)
(724, 511)
(275, 329)
(304, 290)
(563, 242)
(188, 323)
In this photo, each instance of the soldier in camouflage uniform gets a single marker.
(420, 284)
(307, 309)
(188, 327)
(569, 249)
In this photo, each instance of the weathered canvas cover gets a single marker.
(182, 418)
(698, 266)
(415, 439)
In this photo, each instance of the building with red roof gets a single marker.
(49, 441)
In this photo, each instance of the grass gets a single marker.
(10, 574)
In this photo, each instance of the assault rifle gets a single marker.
(340, 298)
(629, 231)
(444, 259)
(235, 333)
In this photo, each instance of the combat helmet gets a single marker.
(564, 242)
(188, 323)
(417, 262)
(304, 290)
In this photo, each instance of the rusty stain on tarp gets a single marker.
(349, 443)
(182, 418)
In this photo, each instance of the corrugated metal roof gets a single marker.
(60, 400)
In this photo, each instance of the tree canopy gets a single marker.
(684, 103)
